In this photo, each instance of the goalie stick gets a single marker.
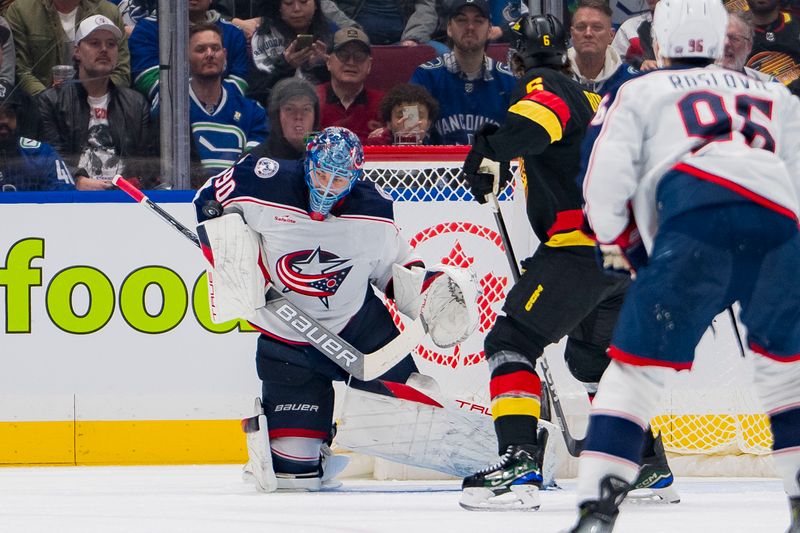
(364, 367)
(574, 446)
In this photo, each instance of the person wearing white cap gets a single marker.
(32, 20)
(95, 125)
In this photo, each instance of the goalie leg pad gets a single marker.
(450, 308)
(259, 463)
(235, 282)
(444, 439)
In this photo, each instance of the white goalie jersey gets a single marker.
(697, 120)
(325, 268)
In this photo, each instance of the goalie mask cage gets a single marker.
(711, 419)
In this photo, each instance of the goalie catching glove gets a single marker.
(448, 305)
(235, 282)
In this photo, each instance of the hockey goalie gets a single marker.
(315, 234)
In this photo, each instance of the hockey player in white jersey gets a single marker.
(699, 167)
(323, 238)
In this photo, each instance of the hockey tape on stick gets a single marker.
(361, 366)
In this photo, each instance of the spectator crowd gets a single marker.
(265, 74)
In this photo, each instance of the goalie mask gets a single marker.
(334, 160)
(539, 40)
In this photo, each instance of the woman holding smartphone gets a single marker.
(291, 40)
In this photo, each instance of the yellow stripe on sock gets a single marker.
(515, 406)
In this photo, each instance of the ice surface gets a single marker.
(200, 499)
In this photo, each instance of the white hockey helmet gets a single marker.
(690, 28)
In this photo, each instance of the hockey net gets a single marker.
(710, 418)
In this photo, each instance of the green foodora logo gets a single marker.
(19, 277)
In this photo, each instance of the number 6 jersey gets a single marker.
(728, 136)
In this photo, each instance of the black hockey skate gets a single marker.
(598, 516)
(510, 485)
(655, 477)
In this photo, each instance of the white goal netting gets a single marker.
(711, 420)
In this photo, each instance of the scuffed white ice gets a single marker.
(200, 499)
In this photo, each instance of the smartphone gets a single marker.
(410, 115)
(304, 41)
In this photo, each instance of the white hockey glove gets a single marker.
(450, 307)
(235, 282)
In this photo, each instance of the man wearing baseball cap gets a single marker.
(472, 88)
(99, 128)
(29, 19)
(345, 101)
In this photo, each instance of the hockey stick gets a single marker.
(501, 226)
(364, 367)
(574, 446)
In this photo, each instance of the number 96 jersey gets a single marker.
(712, 124)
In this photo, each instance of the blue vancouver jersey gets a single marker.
(33, 166)
(465, 105)
(324, 267)
(143, 44)
(220, 137)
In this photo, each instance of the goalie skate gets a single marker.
(332, 465)
(510, 485)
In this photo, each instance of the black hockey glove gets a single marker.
(483, 175)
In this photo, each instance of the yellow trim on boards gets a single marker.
(122, 442)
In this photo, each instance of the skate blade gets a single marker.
(663, 495)
(519, 498)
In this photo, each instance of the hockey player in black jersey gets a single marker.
(562, 292)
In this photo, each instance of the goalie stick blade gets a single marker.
(519, 498)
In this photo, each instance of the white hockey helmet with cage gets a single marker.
(338, 153)
(690, 28)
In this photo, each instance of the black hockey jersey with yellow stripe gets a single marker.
(545, 125)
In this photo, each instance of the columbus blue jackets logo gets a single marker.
(266, 167)
(312, 273)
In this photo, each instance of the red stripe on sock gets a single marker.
(520, 381)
